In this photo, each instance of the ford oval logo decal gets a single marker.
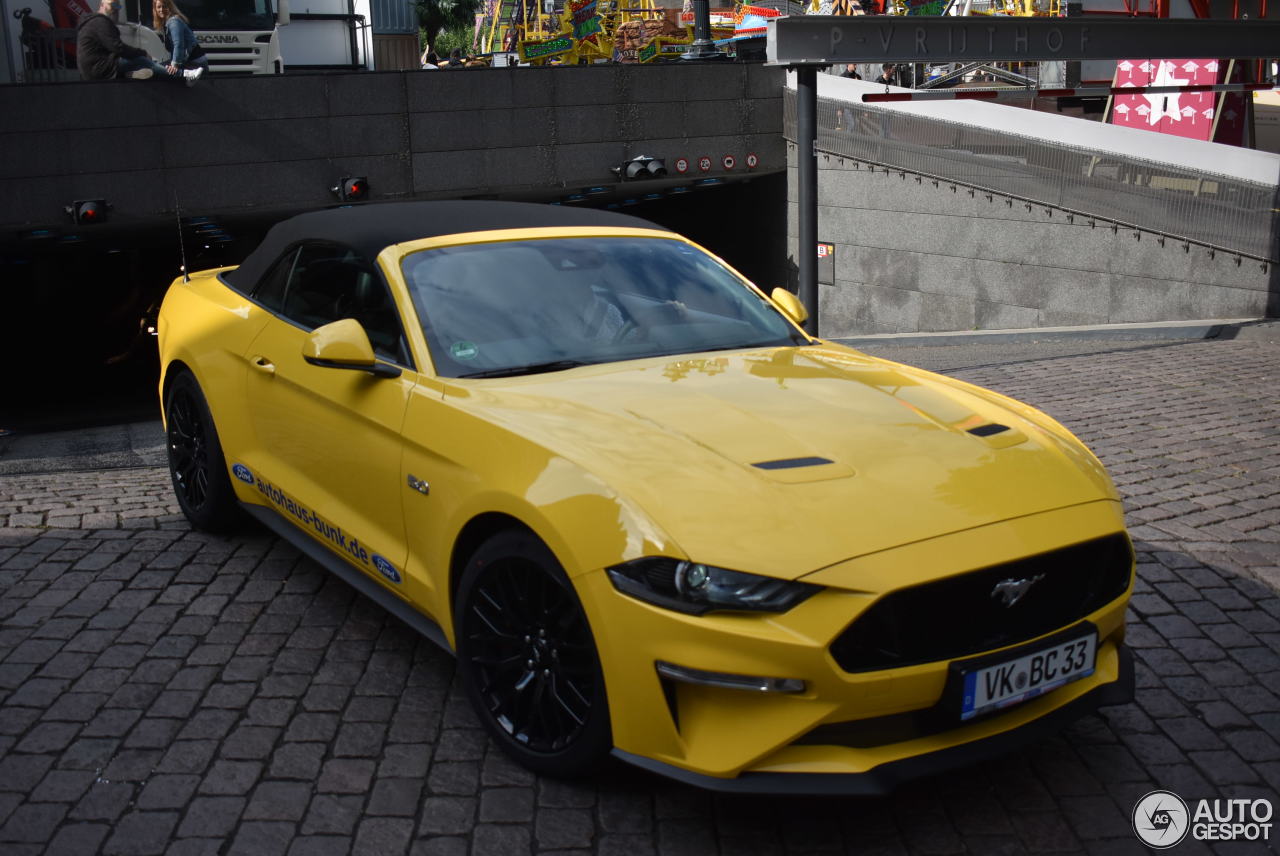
(242, 473)
(387, 569)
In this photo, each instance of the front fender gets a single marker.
(587, 524)
(475, 469)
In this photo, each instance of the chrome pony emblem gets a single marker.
(1009, 592)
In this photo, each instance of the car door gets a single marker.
(327, 446)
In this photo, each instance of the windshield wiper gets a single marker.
(749, 346)
(533, 368)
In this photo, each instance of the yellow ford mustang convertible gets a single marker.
(653, 518)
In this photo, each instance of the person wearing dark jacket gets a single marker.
(100, 55)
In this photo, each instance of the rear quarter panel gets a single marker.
(205, 327)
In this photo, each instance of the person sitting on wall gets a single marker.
(100, 55)
(187, 60)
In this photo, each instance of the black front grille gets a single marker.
(962, 615)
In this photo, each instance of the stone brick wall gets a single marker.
(912, 255)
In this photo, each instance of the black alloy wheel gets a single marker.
(196, 465)
(528, 658)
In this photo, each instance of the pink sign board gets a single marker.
(1184, 114)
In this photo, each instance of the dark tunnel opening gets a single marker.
(77, 339)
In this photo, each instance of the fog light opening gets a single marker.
(725, 680)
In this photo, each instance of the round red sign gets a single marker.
(729, 162)
(752, 160)
(704, 164)
(682, 165)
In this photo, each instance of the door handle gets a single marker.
(263, 365)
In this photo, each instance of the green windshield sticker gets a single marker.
(464, 350)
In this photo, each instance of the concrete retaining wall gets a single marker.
(912, 256)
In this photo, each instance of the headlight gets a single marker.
(697, 589)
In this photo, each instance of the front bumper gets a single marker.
(844, 732)
(881, 780)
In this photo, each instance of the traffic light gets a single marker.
(86, 212)
(641, 166)
(353, 189)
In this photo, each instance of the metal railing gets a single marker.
(1221, 212)
(49, 56)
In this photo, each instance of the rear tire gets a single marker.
(528, 660)
(196, 464)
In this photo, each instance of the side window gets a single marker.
(328, 283)
(270, 291)
(318, 285)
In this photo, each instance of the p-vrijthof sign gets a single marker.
(828, 39)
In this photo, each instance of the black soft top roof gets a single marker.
(368, 229)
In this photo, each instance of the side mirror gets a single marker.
(790, 304)
(344, 345)
(282, 13)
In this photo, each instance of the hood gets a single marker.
(787, 460)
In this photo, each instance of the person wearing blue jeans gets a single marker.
(101, 55)
(186, 57)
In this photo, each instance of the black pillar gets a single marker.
(807, 180)
(702, 47)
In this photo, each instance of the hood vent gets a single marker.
(792, 463)
(988, 430)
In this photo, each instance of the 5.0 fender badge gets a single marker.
(419, 485)
(1010, 591)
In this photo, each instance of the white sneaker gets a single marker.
(191, 75)
(140, 74)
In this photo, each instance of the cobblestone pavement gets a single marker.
(163, 691)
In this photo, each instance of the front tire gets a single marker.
(528, 660)
(196, 464)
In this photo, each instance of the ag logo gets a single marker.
(242, 472)
(385, 568)
(1161, 820)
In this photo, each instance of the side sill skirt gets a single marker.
(352, 577)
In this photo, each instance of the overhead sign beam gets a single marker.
(830, 39)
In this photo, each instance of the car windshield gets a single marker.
(519, 307)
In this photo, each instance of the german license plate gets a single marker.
(1026, 676)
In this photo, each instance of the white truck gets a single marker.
(239, 36)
